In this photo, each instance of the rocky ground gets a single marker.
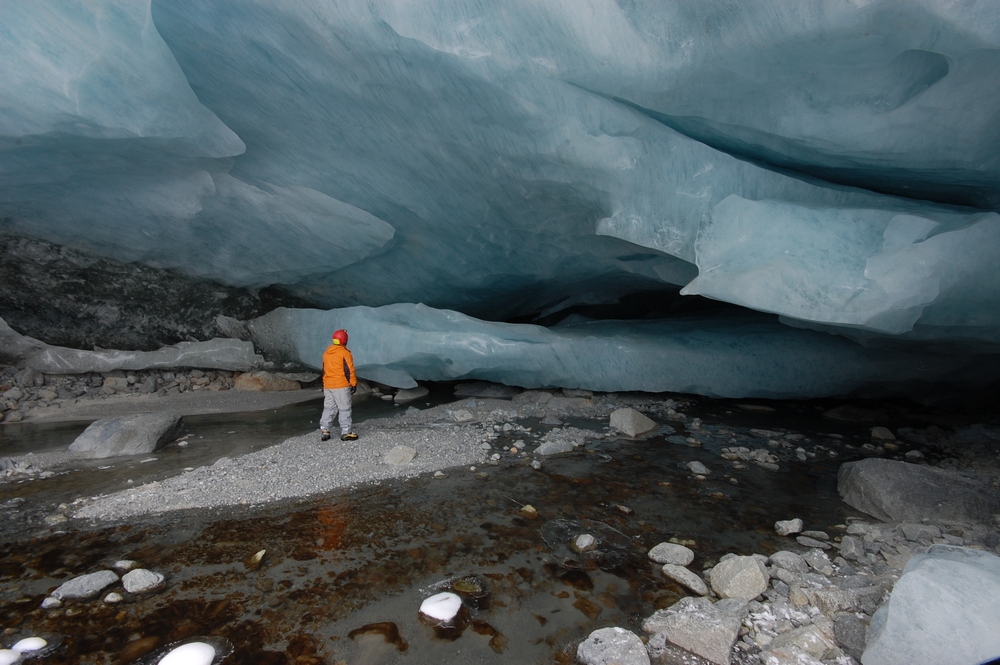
(812, 603)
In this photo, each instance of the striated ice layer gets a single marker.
(748, 355)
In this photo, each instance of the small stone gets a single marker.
(113, 598)
(141, 580)
(788, 527)
(686, 578)
(913, 454)
(817, 535)
(852, 547)
(698, 468)
(51, 603)
(125, 565)
(883, 434)
(812, 542)
(583, 543)
(671, 553)
(86, 586)
(742, 577)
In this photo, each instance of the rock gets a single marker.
(817, 535)
(409, 394)
(486, 390)
(532, 397)
(577, 392)
(261, 381)
(920, 532)
(583, 543)
(125, 564)
(632, 423)
(671, 553)
(812, 542)
(790, 561)
(809, 639)
(555, 447)
(612, 646)
(462, 416)
(697, 468)
(852, 548)
(699, 626)
(788, 655)
(141, 580)
(85, 586)
(897, 491)
(51, 603)
(742, 577)
(138, 434)
(943, 609)
(851, 634)
(400, 455)
(686, 578)
(818, 561)
(113, 598)
(788, 527)
(883, 434)
(558, 403)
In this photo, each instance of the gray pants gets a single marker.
(336, 400)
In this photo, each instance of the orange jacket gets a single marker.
(338, 368)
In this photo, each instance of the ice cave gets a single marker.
(731, 198)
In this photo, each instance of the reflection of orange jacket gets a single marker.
(338, 368)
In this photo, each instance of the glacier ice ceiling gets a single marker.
(832, 166)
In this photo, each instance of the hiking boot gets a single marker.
(325, 436)
(350, 436)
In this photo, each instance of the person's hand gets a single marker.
(354, 389)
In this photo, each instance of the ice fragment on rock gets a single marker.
(192, 653)
(441, 607)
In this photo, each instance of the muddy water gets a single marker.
(344, 574)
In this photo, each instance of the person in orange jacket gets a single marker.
(339, 383)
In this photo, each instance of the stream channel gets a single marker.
(344, 573)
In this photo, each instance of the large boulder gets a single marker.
(699, 626)
(943, 610)
(137, 434)
(899, 491)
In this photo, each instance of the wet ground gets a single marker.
(344, 573)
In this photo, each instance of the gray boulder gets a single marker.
(942, 610)
(671, 553)
(632, 423)
(743, 577)
(141, 580)
(699, 626)
(898, 491)
(85, 586)
(127, 435)
(612, 646)
(399, 456)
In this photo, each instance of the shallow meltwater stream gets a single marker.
(344, 574)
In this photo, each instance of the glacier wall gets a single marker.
(833, 162)
(747, 355)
